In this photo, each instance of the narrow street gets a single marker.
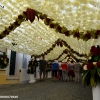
(47, 90)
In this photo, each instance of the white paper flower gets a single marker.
(88, 53)
(89, 57)
(94, 63)
(85, 67)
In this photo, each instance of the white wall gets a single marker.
(8, 55)
(19, 66)
(15, 76)
(23, 74)
(99, 40)
(37, 72)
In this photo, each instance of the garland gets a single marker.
(91, 70)
(63, 30)
(60, 42)
(4, 61)
(66, 52)
(30, 14)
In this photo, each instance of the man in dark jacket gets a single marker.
(42, 65)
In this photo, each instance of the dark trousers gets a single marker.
(60, 71)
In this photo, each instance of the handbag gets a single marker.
(58, 75)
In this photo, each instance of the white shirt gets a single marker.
(60, 68)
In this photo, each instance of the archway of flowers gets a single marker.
(36, 37)
(68, 56)
(60, 43)
(30, 14)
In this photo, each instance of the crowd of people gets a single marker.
(66, 71)
(60, 70)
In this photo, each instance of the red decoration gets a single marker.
(65, 51)
(41, 17)
(5, 32)
(47, 20)
(97, 33)
(66, 33)
(31, 14)
(87, 35)
(16, 23)
(58, 43)
(68, 55)
(98, 64)
(24, 12)
(90, 65)
(61, 44)
(59, 29)
(28, 13)
(11, 27)
(20, 17)
(92, 48)
(95, 50)
(52, 25)
(76, 34)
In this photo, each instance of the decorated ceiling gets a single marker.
(58, 29)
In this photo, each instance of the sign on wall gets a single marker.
(24, 61)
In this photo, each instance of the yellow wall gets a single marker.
(4, 80)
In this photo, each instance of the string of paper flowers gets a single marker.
(30, 14)
(54, 10)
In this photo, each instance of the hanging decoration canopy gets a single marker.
(32, 26)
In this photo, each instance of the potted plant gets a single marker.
(4, 60)
(91, 72)
(31, 69)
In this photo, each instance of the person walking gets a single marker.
(71, 71)
(60, 71)
(64, 70)
(77, 71)
(42, 66)
(55, 67)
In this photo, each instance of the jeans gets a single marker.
(77, 76)
(64, 75)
